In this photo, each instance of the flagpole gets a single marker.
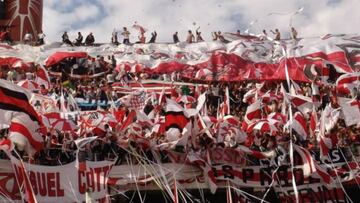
(28, 187)
(228, 193)
(175, 192)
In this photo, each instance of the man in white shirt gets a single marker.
(126, 35)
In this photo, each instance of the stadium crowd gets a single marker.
(113, 143)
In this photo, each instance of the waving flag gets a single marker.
(25, 134)
(173, 137)
(174, 116)
(16, 99)
(229, 131)
(80, 143)
(347, 82)
(281, 118)
(17, 112)
(143, 119)
(299, 125)
(264, 126)
(310, 166)
(135, 100)
(351, 110)
(325, 143)
(42, 77)
(302, 103)
(249, 96)
(253, 112)
(60, 56)
(140, 28)
(129, 119)
(29, 84)
(331, 117)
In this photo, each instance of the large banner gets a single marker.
(310, 189)
(64, 183)
(67, 184)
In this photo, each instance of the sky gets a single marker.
(318, 17)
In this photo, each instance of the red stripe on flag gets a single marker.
(20, 129)
(128, 120)
(22, 104)
(298, 102)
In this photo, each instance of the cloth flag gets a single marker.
(299, 125)
(347, 82)
(351, 110)
(253, 112)
(42, 77)
(17, 112)
(174, 116)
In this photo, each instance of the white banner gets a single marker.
(65, 183)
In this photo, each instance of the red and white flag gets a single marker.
(307, 160)
(174, 115)
(29, 84)
(325, 143)
(310, 166)
(351, 110)
(270, 96)
(173, 137)
(140, 28)
(135, 100)
(251, 95)
(229, 131)
(17, 112)
(299, 124)
(347, 82)
(15, 99)
(253, 112)
(295, 88)
(80, 143)
(303, 104)
(264, 126)
(42, 77)
(143, 119)
(129, 119)
(25, 134)
(331, 117)
(281, 118)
